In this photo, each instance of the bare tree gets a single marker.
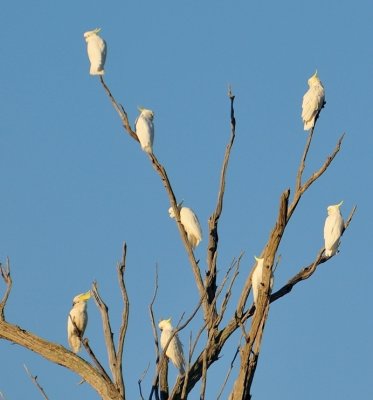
(215, 293)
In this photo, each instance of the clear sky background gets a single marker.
(74, 186)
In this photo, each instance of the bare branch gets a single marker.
(308, 271)
(125, 313)
(228, 373)
(270, 249)
(120, 110)
(167, 185)
(5, 274)
(299, 192)
(190, 355)
(155, 333)
(212, 247)
(194, 265)
(34, 380)
(302, 165)
(349, 219)
(108, 334)
(60, 355)
(204, 376)
(90, 352)
(141, 379)
(229, 289)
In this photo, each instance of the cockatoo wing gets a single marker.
(191, 225)
(256, 280)
(80, 318)
(332, 232)
(313, 101)
(145, 133)
(175, 354)
(96, 48)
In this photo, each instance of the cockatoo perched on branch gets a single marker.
(333, 229)
(313, 102)
(257, 278)
(190, 223)
(175, 349)
(145, 129)
(79, 315)
(96, 48)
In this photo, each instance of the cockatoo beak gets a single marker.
(86, 296)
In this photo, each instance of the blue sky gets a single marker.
(75, 186)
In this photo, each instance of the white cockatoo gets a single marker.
(96, 49)
(333, 228)
(175, 349)
(79, 315)
(190, 222)
(313, 102)
(145, 129)
(257, 278)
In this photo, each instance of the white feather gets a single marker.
(333, 229)
(175, 349)
(145, 129)
(313, 101)
(96, 49)
(191, 224)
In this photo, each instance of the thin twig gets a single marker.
(302, 189)
(229, 289)
(141, 379)
(302, 164)
(34, 380)
(5, 274)
(99, 366)
(120, 110)
(186, 378)
(228, 373)
(90, 352)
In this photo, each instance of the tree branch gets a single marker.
(110, 347)
(316, 175)
(212, 248)
(155, 335)
(34, 380)
(90, 352)
(120, 110)
(60, 355)
(125, 313)
(167, 185)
